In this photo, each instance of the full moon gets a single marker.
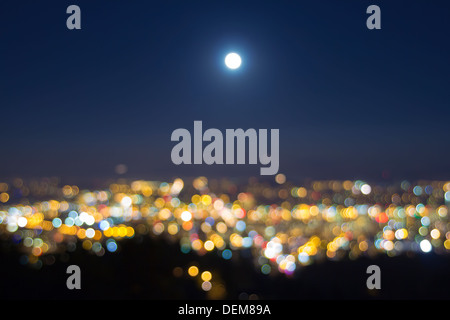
(233, 60)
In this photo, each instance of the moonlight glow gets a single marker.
(233, 60)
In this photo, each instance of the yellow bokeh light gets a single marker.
(206, 276)
(81, 233)
(122, 231)
(197, 244)
(447, 244)
(302, 192)
(206, 200)
(363, 246)
(193, 271)
(280, 178)
(108, 232)
(221, 227)
(172, 228)
(87, 244)
(4, 197)
(196, 199)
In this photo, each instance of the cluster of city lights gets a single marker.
(283, 226)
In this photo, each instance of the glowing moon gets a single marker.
(233, 60)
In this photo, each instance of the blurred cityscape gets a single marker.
(279, 227)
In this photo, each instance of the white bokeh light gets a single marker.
(186, 216)
(425, 246)
(366, 189)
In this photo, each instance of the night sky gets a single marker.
(349, 102)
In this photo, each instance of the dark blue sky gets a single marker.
(349, 102)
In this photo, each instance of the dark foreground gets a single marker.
(145, 270)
